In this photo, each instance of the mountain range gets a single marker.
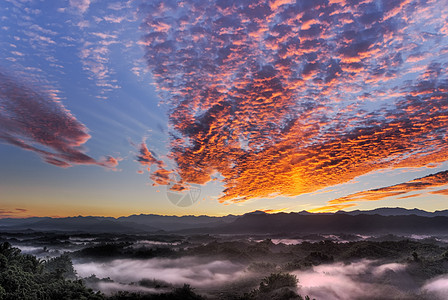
(397, 211)
(380, 220)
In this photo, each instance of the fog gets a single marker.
(191, 270)
(42, 252)
(219, 274)
(367, 279)
(148, 243)
(110, 288)
(437, 288)
(364, 279)
(287, 241)
(29, 249)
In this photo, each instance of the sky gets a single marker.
(113, 108)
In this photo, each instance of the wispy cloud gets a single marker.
(422, 184)
(440, 192)
(34, 121)
(14, 213)
(95, 60)
(80, 5)
(286, 98)
(331, 208)
(160, 175)
(104, 36)
(273, 211)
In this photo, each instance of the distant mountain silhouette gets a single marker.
(172, 223)
(397, 211)
(130, 224)
(381, 220)
(78, 224)
(289, 223)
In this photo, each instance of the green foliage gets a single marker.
(102, 251)
(317, 258)
(262, 267)
(276, 281)
(2, 292)
(92, 279)
(445, 255)
(277, 286)
(182, 293)
(25, 277)
(110, 250)
(60, 267)
(154, 283)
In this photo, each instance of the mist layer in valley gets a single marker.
(330, 266)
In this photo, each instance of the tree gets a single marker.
(27, 278)
(61, 267)
(276, 281)
(415, 256)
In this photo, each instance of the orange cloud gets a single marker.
(14, 213)
(273, 211)
(160, 176)
(440, 192)
(284, 98)
(330, 208)
(419, 184)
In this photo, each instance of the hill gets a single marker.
(381, 221)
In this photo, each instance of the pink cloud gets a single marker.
(14, 213)
(81, 5)
(35, 122)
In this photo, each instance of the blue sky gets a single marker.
(270, 105)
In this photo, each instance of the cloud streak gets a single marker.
(289, 97)
(14, 213)
(35, 122)
(422, 184)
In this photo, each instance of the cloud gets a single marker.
(160, 175)
(102, 38)
(81, 5)
(440, 192)
(197, 272)
(95, 59)
(331, 208)
(273, 211)
(146, 157)
(417, 185)
(13, 213)
(284, 98)
(35, 122)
